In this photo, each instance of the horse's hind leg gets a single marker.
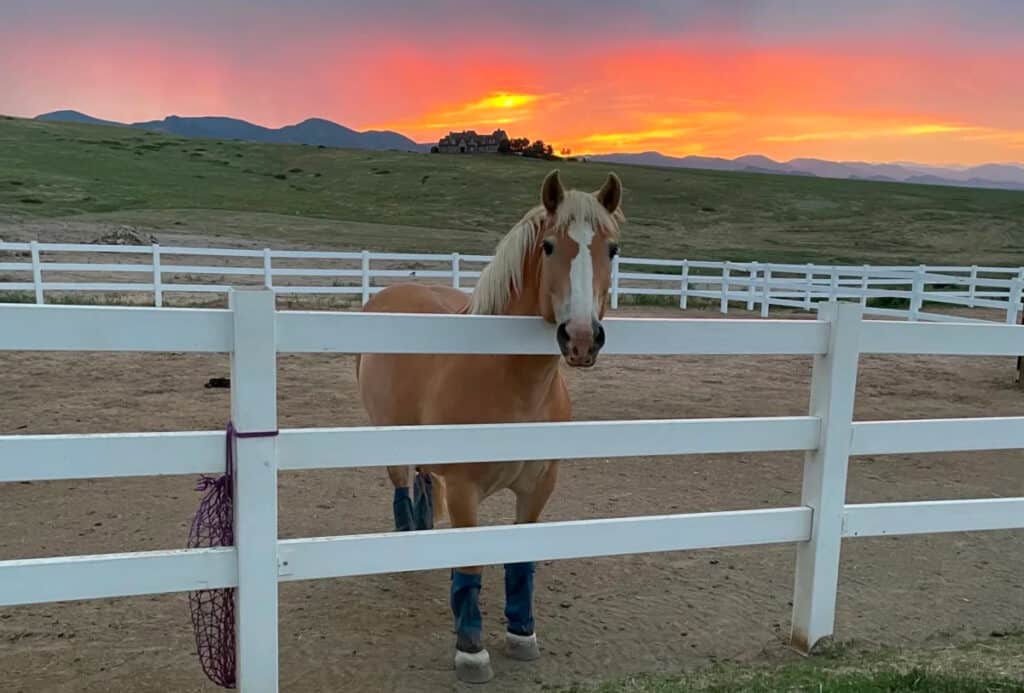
(417, 511)
(472, 661)
(423, 500)
(520, 637)
(401, 505)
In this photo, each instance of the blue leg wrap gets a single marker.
(423, 502)
(519, 597)
(465, 604)
(402, 508)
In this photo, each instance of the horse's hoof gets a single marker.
(473, 667)
(521, 647)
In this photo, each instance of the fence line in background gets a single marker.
(253, 332)
(909, 289)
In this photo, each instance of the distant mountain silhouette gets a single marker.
(70, 116)
(1003, 176)
(316, 131)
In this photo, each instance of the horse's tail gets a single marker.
(438, 498)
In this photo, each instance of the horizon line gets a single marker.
(951, 166)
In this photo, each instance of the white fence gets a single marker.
(753, 285)
(253, 332)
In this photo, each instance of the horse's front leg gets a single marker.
(520, 637)
(472, 661)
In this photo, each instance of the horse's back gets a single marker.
(417, 298)
(393, 387)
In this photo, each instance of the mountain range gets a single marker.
(311, 131)
(318, 131)
(1004, 176)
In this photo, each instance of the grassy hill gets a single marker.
(346, 199)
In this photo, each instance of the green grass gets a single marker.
(889, 681)
(989, 666)
(285, 194)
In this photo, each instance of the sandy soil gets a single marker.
(597, 618)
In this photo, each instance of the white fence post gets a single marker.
(1013, 304)
(366, 276)
(833, 284)
(752, 289)
(455, 271)
(809, 277)
(833, 387)
(973, 286)
(615, 282)
(268, 270)
(766, 293)
(864, 286)
(684, 284)
(158, 289)
(724, 305)
(254, 409)
(917, 293)
(37, 272)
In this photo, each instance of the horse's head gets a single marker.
(578, 243)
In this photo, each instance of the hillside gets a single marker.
(384, 200)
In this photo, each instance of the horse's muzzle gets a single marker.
(580, 341)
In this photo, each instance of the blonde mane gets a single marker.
(502, 278)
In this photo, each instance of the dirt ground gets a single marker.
(596, 618)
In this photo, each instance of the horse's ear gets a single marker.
(551, 192)
(610, 194)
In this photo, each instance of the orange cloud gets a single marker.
(502, 100)
(869, 133)
(494, 108)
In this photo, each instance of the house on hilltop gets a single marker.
(469, 142)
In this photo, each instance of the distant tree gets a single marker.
(565, 151)
(518, 145)
(434, 149)
(524, 147)
(539, 150)
(536, 149)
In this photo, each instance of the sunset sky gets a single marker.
(933, 82)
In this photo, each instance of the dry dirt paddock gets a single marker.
(597, 618)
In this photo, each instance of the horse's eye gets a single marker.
(613, 250)
(549, 247)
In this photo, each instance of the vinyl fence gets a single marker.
(253, 332)
(31, 271)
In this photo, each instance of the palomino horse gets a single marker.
(554, 263)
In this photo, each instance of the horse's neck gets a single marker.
(536, 373)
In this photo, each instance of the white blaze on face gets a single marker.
(581, 276)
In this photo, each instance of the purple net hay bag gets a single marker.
(213, 611)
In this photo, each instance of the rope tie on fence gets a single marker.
(213, 611)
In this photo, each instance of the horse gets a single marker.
(554, 263)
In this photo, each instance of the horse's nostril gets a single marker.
(562, 335)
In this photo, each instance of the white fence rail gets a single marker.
(38, 269)
(253, 332)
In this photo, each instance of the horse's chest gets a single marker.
(494, 398)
